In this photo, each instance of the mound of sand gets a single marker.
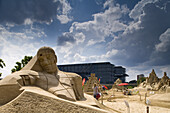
(36, 100)
(162, 100)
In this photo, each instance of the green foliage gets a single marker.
(20, 65)
(141, 80)
(2, 64)
(26, 60)
(129, 87)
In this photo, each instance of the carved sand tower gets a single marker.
(153, 78)
(88, 87)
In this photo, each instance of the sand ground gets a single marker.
(37, 101)
(136, 104)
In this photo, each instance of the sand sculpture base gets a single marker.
(36, 100)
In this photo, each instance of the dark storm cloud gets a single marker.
(139, 46)
(66, 37)
(16, 11)
(162, 53)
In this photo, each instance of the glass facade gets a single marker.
(107, 72)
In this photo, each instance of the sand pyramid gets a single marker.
(152, 78)
(88, 87)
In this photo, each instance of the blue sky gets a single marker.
(132, 33)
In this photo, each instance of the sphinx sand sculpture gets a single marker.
(42, 72)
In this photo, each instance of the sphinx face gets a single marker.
(48, 61)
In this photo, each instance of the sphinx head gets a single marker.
(47, 59)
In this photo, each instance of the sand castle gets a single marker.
(40, 81)
(88, 87)
(154, 83)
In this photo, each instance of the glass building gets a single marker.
(107, 72)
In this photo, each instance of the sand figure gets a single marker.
(116, 85)
(42, 72)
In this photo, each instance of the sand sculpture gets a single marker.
(153, 79)
(165, 79)
(116, 83)
(154, 83)
(164, 83)
(42, 72)
(89, 85)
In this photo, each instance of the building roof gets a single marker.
(119, 67)
(87, 64)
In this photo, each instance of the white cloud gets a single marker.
(80, 37)
(5, 33)
(138, 9)
(87, 34)
(164, 45)
(111, 53)
(133, 47)
(94, 58)
(134, 71)
(78, 57)
(15, 45)
(104, 24)
(25, 34)
(108, 3)
(142, 37)
(28, 21)
(63, 12)
(66, 6)
(91, 42)
(66, 48)
(65, 53)
(64, 19)
(11, 53)
(133, 26)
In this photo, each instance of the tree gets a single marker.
(21, 64)
(26, 60)
(2, 64)
(141, 80)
